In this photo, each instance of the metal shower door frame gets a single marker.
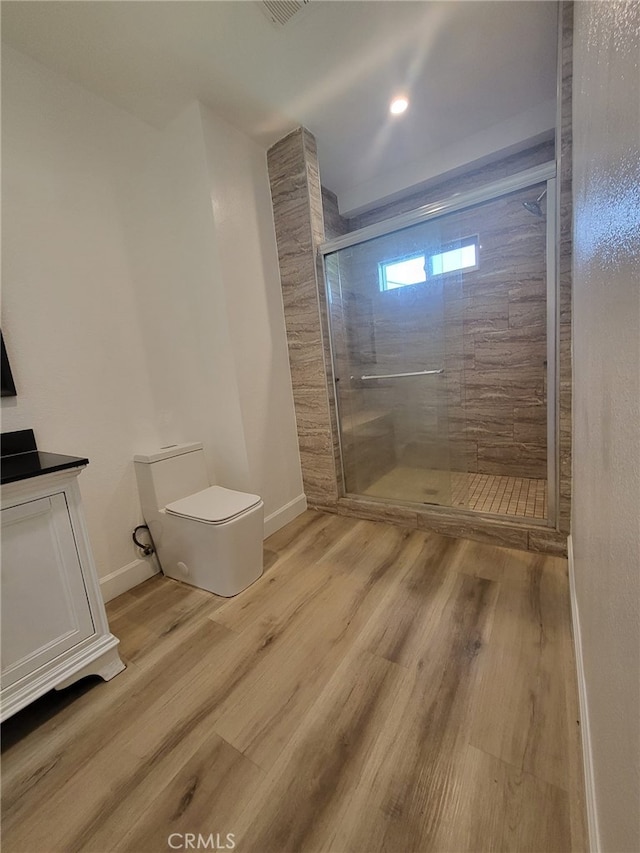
(544, 173)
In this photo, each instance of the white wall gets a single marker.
(248, 264)
(69, 316)
(202, 243)
(181, 300)
(126, 327)
(606, 450)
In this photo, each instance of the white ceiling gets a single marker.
(480, 75)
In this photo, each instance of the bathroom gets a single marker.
(145, 304)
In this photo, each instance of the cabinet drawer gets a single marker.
(45, 610)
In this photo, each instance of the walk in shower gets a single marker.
(443, 338)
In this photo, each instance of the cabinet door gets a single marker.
(45, 609)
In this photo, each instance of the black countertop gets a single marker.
(22, 466)
(21, 459)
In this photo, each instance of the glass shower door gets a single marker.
(444, 348)
(389, 339)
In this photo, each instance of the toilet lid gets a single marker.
(214, 505)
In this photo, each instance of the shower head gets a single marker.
(534, 206)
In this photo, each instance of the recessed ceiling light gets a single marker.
(398, 105)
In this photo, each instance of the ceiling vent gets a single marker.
(280, 12)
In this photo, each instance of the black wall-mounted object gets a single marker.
(8, 385)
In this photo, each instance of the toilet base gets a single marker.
(221, 558)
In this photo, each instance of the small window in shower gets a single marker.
(461, 255)
(417, 269)
(402, 272)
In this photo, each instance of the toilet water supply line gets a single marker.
(148, 549)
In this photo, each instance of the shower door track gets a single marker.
(458, 201)
(544, 173)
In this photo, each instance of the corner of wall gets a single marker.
(284, 515)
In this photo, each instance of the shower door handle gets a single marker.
(399, 375)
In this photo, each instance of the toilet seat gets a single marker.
(214, 505)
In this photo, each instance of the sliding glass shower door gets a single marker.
(444, 348)
(387, 312)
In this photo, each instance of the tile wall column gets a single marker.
(297, 209)
(564, 152)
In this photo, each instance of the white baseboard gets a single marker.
(127, 577)
(589, 787)
(284, 515)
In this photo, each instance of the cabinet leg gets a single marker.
(106, 666)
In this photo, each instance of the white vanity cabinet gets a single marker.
(54, 625)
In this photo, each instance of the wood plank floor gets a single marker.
(377, 689)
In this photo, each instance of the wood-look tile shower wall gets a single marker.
(297, 209)
(565, 249)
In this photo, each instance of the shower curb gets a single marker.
(461, 525)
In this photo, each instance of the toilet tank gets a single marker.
(168, 474)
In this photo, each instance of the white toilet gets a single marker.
(204, 535)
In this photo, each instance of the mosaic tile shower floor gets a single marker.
(520, 497)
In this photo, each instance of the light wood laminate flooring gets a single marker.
(377, 689)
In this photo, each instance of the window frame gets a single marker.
(463, 242)
(382, 271)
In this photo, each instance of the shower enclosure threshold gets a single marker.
(524, 534)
